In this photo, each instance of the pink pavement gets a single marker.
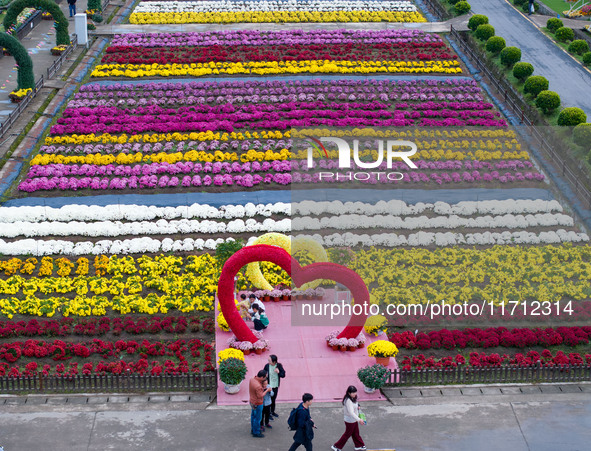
(310, 365)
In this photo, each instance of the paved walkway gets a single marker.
(559, 418)
(567, 77)
(431, 27)
(38, 43)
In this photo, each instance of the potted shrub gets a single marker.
(259, 346)
(286, 295)
(245, 347)
(373, 377)
(232, 372)
(382, 350)
(352, 344)
(342, 342)
(361, 339)
(376, 325)
(320, 292)
(276, 295)
(334, 344)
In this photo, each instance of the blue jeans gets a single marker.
(72, 10)
(256, 414)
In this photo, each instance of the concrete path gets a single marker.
(38, 43)
(431, 27)
(524, 418)
(567, 77)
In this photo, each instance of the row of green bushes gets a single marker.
(564, 34)
(536, 86)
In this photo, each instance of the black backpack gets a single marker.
(292, 421)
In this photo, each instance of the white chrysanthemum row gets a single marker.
(208, 6)
(401, 208)
(143, 228)
(509, 221)
(143, 245)
(449, 238)
(119, 212)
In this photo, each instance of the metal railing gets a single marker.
(501, 375)
(108, 383)
(28, 25)
(552, 146)
(14, 114)
(438, 9)
(57, 64)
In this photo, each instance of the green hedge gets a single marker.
(510, 56)
(25, 76)
(578, 47)
(547, 101)
(495, 44)
(462, 8)
(587, 59)
(476, 20)
(564, 34)
(582, 135)
(484, 32)
(554, 24)
(535, 84)
(95, 5)
(570, 117)
(522, 70)
(62, 37)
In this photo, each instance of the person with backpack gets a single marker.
(352, 421)
(275, 373)
(259, 318)
(257, 394)
(301, 421)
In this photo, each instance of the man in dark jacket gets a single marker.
(275, 373)
(304, 433)
(72, 6)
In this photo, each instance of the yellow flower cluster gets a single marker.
(127, 285)
(28, 266)
(276, 67)
(230, 353)
(161, 157)
(376, 323)
(275, 17)
(222, 323)
(107, 138)
(382, 348)
(21, 93)
(453, 133)
(456, 275)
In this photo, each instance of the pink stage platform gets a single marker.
(310, 365)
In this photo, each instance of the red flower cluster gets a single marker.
(483, 360)
(101, 326)
(59, 350)
(409, 51)
(492, 337)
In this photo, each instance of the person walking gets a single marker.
(531, 8)
(257, 393)
(304, 433)
(275, 373)
(72, 6)
(352, 421)
(266, 408)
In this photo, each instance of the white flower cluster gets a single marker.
(143, 245)
(449, 238)
(213, 6)
(508, 221)
(159, 227)
(118, 212)
(401, 208)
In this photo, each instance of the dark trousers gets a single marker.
(258, 324)
(307, 444)
(273, 398)
(266, 415)
(351, 430)
(72, 9)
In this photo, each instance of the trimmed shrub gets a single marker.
(495, 44)
(462, 8)
(95, 5)
(510, 55)
(519, 2)
(477, 19)
(547, 101)
(522, 70)
(571, 116)
(484, 32)
(97, 18)
(564, 34)
(535, 84)
(91, 26)
(62, 37)
(587, 59)
(582, 135)
(578, 47)
(554, 24)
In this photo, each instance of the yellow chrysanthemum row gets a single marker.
(276, 68)
(274, 17)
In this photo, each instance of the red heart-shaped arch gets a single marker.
(299, 275)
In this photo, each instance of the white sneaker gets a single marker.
(334, 448)
(361, 448)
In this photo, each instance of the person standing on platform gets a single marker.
(275, 373)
